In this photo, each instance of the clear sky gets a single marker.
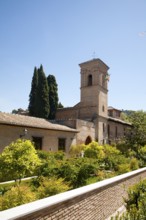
(60, 34)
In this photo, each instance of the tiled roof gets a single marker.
(21, 120)
(119, 121)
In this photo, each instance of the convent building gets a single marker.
(89, 120)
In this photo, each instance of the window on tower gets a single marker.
(103, 80)
(90, 80)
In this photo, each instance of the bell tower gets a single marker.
(94, 95)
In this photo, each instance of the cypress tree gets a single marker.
(53, 95)
(33, 93)
(42, 107)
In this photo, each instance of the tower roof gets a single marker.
(94, 62)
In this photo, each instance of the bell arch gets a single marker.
(88, 140)
(90, 80)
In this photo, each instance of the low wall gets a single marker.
(93, 202)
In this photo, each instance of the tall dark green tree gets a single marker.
(53, 95)
(42, 100)
(33, 93)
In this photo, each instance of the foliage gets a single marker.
(43, 97)
(50, 162)
(69, 172)
(50, 186)
(136, 202)
(47, 155)
(18, 160)
(136, 135)
(42, 102)
(33, 94)
(142, 155)
(53, 95)
(77, 171)
(124, 116)
(60, 105)
(123, 168)
(85, 171)
(76, 150)
(94, 150)
(134, 164)
(16, 196)
(113, 158)
(57, 174)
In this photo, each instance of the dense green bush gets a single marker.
(76, 150)
(48, 155)
(94, 150)
(16, 196)
(85, 171)
(49, 186)
(18, 160)
(136, 202)
(77, 170)
(57, 174)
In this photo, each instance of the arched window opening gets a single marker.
(103, 127)
(108, 131)
(103, 109)
(116, 132)
(88, 140)
(103, 80)
(90, 80)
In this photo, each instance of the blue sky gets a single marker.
(60, 34)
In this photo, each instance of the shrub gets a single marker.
(93, 150)
(142, 155)
(48, 168)
(48, 155)
(16, 196)
(48, 187)
(134, 164)
(75, 150)
(114, 158)
(136, 202)
(84, 173)
(123, 168)
(18, 160)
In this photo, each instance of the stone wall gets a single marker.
(86, 129)
(49, 137)
(66, 113)
(116, 130)
(93, 202)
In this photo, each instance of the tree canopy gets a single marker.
(42, 100)
(53, 95)
(18, 160)
(43, 97)
(33, 93)
(136, 135)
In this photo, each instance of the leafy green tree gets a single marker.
(53, 95)
(60, 105)
(42, 101)
(33, 94)
(136, 135)
(18, 160)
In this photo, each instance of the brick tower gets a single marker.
(94, 96)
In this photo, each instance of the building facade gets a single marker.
(45, 135)
(89, 120)
(93, 106)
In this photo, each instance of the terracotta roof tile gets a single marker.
(21, 120)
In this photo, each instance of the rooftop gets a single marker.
(28, 121)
